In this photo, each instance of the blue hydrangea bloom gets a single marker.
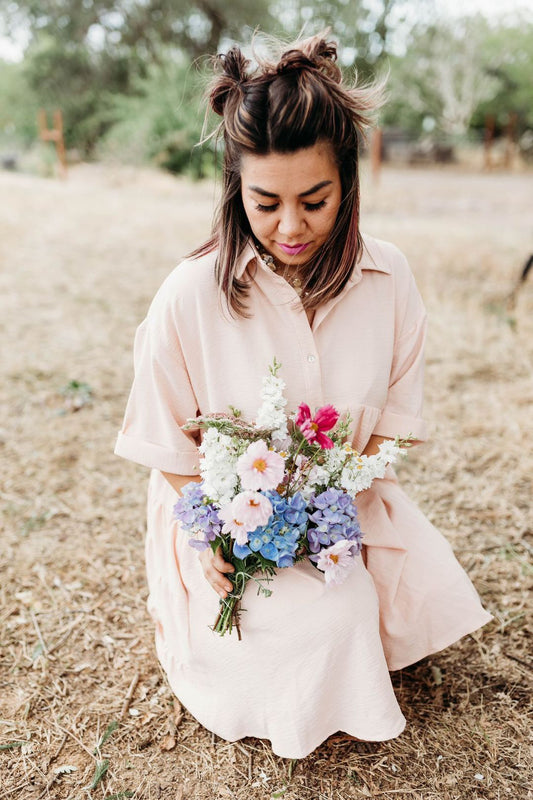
(241, 550)
(197, 515)
(333, 517)
(277, 541)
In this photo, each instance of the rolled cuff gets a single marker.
(392, 425)
(157, 457)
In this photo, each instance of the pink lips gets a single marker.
(293, 250)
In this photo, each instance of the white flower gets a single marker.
(359, 471)
(271, 414)
(218, 467)
(389, 451)
(336, 561)
(335, 459)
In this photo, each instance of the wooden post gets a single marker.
(376, 147)
(54, 134)
(488, 140)
(509, 140)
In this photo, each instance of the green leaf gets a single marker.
(111, 728)
(100, 771)
(292, 764)
(119, 795)
(12, 745)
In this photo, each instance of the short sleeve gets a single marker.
(161, 398)
(402, 414)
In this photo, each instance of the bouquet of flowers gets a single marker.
(278, 490)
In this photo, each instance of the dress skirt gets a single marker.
(313, 659)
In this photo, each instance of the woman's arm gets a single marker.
(373, 444)
(178, 481)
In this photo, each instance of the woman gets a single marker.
(287, 274)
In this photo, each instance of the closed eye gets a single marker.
(307, 206)
(314, 206)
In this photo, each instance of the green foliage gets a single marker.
(12, 745)
(139, 28)
(162, 122)
(72, 78)
(18, 108)
(111, 728)
(99, 772)
(457, 73)
(509, 55)
(120, 71)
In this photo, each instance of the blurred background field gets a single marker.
(84, 709)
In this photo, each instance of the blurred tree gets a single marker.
(162, 122)
(508, 52)
(82, 51)
(138, 27)
(444, 75)
(18, 107)
(369, 31)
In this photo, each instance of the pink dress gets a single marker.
(312, 661)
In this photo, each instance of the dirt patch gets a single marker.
(81, 261)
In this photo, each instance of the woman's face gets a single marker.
(292, 200)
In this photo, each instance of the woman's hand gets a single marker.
(214, 568)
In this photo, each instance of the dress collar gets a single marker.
(371, 259)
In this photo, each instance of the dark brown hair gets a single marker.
(281, 106)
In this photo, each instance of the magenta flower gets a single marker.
(260, 468)
(313, 428)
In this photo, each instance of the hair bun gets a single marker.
(314, 53)
(234, 72)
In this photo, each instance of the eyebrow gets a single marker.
(312, 190)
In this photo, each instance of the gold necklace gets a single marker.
(270, 262)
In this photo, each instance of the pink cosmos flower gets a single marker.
(234, 527)
(336, 561)
(252, 509)
(313, 427)
(260, 468)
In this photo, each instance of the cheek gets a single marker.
(327, 223)
(259, 222)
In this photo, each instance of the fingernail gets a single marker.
(222, 593)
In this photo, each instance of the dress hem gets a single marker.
(437, 648)
(301, 754)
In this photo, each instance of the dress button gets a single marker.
(311, 358)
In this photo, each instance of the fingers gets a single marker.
(214, 568)
(220, 564)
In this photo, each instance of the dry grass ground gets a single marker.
(80, 261)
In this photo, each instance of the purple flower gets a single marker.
(333, 518)
(197, 516)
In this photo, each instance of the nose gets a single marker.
(291, 223)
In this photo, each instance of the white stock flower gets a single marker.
(335, 459)
(389, 451)
(218, 467)
(360, 471)
(271, 414)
